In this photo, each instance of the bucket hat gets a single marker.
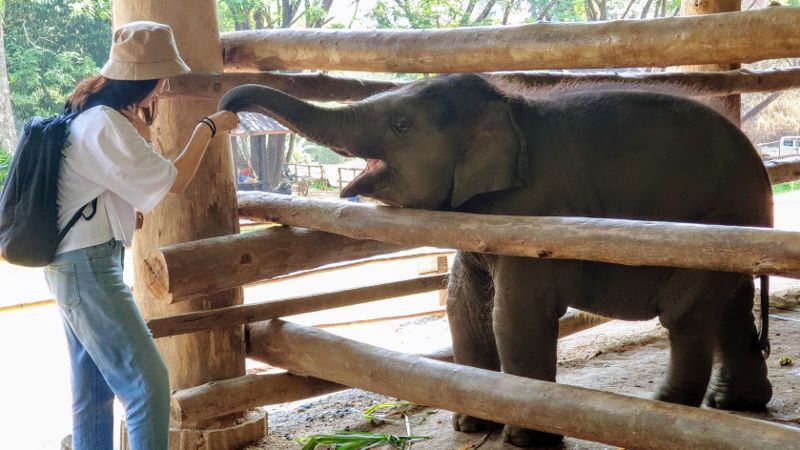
(143, 51)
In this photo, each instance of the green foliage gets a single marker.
(321, 184)
(50, 45)
(786, 187)
(344, 440)
(322, 155)
(431, 13)
(5, 163)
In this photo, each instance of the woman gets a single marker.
(109, 158)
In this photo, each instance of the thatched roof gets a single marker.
(251, 124)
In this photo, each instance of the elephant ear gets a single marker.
(493, 156)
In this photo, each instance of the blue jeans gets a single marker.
(111, 351)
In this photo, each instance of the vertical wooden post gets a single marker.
(442, 267)
(733, 103)
(208, 208)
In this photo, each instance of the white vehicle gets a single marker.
(789, 145)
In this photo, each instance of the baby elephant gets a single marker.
(463, 143)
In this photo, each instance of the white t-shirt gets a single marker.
(106, 158)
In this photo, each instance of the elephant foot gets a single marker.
(739, 395)
(524, 437)
(665, 393)
(469, 424)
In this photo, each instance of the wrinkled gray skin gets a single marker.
(458, 143)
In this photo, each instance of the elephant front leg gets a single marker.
(530, 296)
(469, 312)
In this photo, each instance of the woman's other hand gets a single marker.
(225, 121)
(132, 114)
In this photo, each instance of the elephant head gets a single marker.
(425, 143)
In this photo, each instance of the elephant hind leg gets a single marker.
(690, 310)
(740, 382)
(470, 295)
(691, 358)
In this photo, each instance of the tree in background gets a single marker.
(8, 130)
(50, 45)
(236, 15)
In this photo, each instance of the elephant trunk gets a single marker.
(322, 125)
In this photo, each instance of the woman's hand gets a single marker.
(132, 114)
(225, 121)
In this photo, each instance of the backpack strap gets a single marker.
(75, 219)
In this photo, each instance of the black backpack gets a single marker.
(29, 233)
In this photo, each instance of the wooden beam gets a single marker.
(254, 312)
(731, 104)
(582, 413)
(197, 404)
(783, 169)
(194, 405)
(207, 208)
(183, 271)
(620, 43)
(316, 87)
(326, 88)
(352, 264)
(757, 251)
(706, 83)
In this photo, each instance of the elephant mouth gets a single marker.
(364, 182)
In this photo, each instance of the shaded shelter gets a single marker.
(258, 152)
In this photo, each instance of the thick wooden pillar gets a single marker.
(732, 103)
(207, 208)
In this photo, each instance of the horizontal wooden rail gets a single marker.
(182, 271)
(708, 83)
(582, 413)
(543, 45)
(352, 264)
(191, 406)
(317, 87)
(254, 312)
(440, 311)
(218, 398)
(783, 169)
(326, 88)
(757, 251)
(31, 304)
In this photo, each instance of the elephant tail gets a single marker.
(763, 338)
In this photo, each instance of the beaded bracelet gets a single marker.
(210, 124)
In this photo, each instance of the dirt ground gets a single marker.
(621, 357)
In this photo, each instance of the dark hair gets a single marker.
(118, 94)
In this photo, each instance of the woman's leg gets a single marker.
(108, 324)
(92, 399)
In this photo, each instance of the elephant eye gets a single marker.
(400, 124)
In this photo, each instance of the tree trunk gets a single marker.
(258, 159)
(206, 209)
(275, 158)
(732, 103)
(8, 130)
